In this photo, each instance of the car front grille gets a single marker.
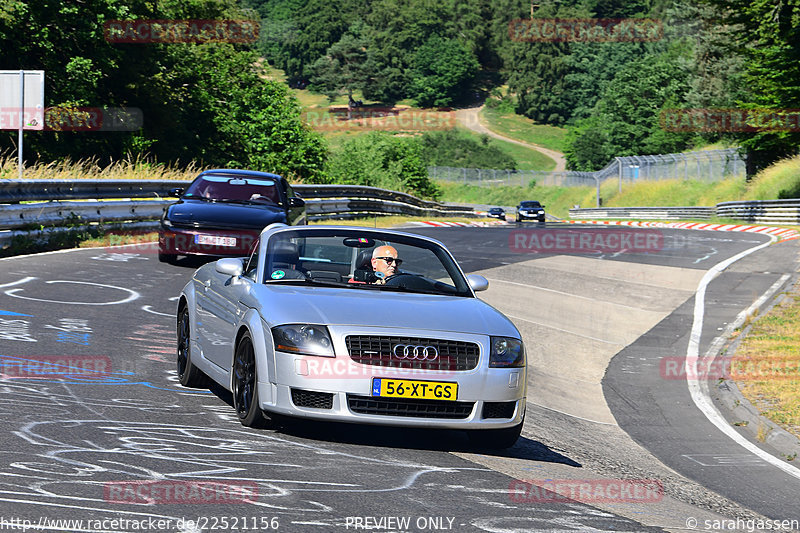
(312, 399)
(498, 409)
(368, 405)
(379, 351)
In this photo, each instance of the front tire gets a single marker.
(170, 259)
(188, 374)
(495, 439)
(245, 385)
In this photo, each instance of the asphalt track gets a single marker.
(71, 438)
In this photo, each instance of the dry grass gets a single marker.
(120, 238)
(766, 366)
(128, 169)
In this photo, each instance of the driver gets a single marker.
(385, 263)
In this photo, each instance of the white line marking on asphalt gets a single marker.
(149, 309)
(571, 415)
(132, 295)
(495, 280)
(18, 282)
(698, 389)
(562, 330)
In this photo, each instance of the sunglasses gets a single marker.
(390, 260)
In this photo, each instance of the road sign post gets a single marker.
(21, 104)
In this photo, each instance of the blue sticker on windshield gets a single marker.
(278, 274)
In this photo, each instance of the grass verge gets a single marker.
(524, 129)
(766, 366)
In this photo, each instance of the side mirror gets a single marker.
(176, 191)
(294, 201)
(230, 266)
(478, 282)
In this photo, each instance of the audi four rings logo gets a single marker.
(418, 352)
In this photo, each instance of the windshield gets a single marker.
(529, 204)
(227, 188)
(363, 260)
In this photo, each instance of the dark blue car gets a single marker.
(223, 211)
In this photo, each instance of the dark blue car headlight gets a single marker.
(305, 339)
(506, 352)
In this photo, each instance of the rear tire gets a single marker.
(245, 385)
(495, 439)
(188, 374)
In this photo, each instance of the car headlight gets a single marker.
(303, 339)
(507, 352)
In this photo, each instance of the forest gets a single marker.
(210, 102)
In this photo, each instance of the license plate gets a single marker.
(418, 390)
(215, 240)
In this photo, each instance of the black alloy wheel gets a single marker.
(189, 375)
(245, 384)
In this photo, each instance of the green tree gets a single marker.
(767, 34)
(345, 67)
(397, 28)
(200, 102)
(441, 72)
(627, 118)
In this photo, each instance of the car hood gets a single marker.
(284, 304)
(217, 214)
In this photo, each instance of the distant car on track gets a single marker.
(497, 212)
(530, 209)
(223, 211)
(306, 328)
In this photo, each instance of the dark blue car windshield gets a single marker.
(234, 189)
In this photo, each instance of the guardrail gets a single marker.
(763, 211)
(141, 202)
(652, 213)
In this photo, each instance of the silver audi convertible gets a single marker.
(355, 325)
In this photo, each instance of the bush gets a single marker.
(379, 159)
(453, 149)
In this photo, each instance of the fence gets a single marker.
(708, 165)
(140, 204)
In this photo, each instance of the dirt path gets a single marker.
(470, 118)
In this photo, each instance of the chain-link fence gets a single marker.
(707, 165)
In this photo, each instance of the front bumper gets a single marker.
(531, 216)
(339, 389)
(183, 241)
